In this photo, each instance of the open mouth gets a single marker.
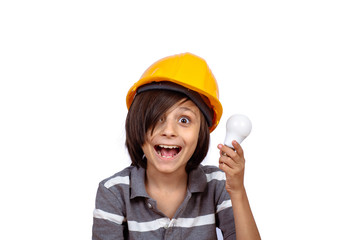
(167, 151)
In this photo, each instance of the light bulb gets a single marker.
(238, 127)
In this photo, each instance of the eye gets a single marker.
(184, 120)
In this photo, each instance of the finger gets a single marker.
(227, 161)
(226, 151)
(225, 168)
(232, 153)
(238, 148)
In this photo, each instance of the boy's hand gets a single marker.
(233, 164)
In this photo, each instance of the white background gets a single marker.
(291, 66)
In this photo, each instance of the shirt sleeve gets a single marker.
(109, 220)
(224, 213)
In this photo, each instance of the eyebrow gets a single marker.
(187, 109)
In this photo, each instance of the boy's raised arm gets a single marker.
(233, 164)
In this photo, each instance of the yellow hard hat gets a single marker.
(189, 71)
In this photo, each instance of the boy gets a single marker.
(166, 193)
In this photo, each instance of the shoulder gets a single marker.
(118, 178)
(118, 183)
(213, 173)
(116, 188)
(209, 168)
(207, 177)
(216, 180)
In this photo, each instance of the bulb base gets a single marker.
(230, 137)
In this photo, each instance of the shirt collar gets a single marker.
(197, 182)
(137, 183)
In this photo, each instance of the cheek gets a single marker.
(146, 148)
(192, 141)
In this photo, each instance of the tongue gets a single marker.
(166, 152)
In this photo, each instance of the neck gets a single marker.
(167, 182)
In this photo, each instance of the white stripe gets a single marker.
(167, 223)
(108, 216)
(223, 205)
(215, 176)
(148, 226)
(194, 222)
(117, 180)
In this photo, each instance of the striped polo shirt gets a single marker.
(124, 210)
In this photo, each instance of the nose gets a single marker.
(169, 129)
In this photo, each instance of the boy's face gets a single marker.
(174, 139)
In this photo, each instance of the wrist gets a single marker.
(238, 194)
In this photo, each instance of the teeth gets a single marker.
(166, 146)
(159, 147)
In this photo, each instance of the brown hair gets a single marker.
(146, 110)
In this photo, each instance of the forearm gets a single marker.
(245, 225)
